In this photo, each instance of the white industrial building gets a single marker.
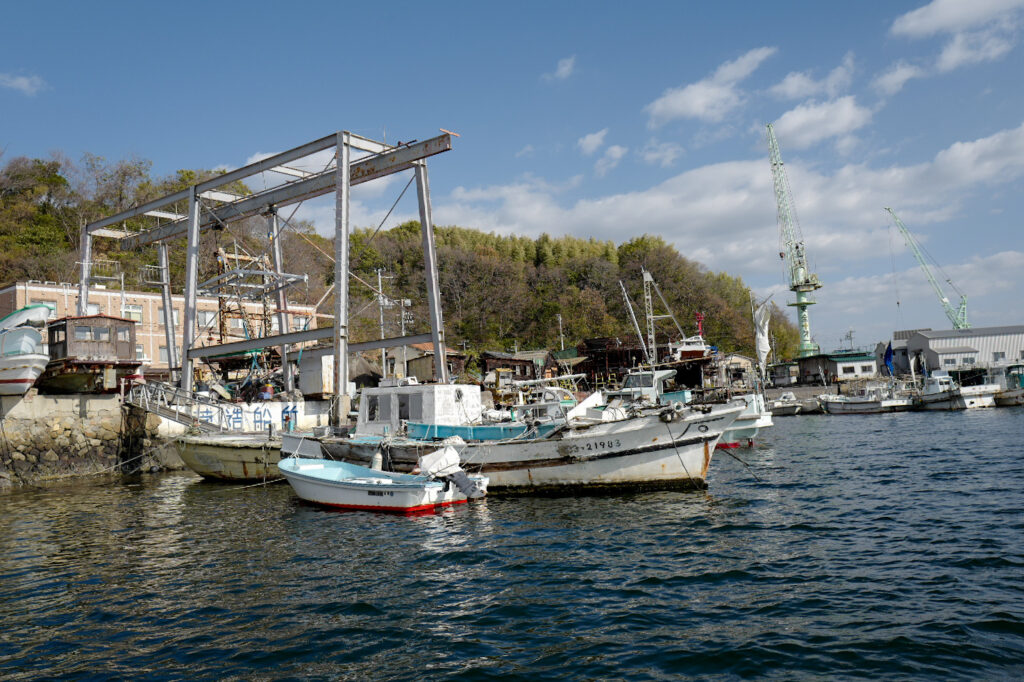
(956, 349)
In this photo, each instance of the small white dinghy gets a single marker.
(441, 482)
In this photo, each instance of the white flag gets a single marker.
(762, 315)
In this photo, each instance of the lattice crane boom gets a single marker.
(957, 316)
(801, 282)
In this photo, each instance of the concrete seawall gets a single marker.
(50, 437)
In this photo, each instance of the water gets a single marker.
(873, 547)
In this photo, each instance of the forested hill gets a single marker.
(497, 291)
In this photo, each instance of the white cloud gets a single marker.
(813, 122)
(709, 99)
(563, 70)
(610, 160)
(526, 151)
(896, 76)
(663, 154)
(974, 48)
(980, 30)
(952, 16)
(799, 84)
(724, 214)
(589, 144)
(28, 85)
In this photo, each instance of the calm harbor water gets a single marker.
(873, 546)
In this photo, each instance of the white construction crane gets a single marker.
(957, 316)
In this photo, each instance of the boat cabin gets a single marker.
(92, 338)
(383, 409)
(644, 385)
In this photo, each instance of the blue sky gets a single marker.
(592, 119)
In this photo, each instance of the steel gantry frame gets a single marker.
(210, 206)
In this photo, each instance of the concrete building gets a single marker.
(841, 365)
(146, 309)
(957, 349)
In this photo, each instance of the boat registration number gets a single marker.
(380, 493)
(595, 446)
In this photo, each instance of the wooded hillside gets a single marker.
(497, 291)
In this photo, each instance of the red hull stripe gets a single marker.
(371, 507)
(17, 381)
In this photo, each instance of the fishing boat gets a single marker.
(235, 457)
(940, 392)
(599, 446)
(90, 354)
(21, 359)
(786, 405)
(440, 482)
(1011, 386)
(754, 417)
(872, 398)
(33, 316)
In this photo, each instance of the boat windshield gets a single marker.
(639, 381)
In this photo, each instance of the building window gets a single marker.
(849, 370)
(160, 316)
(998, 355)
(867, 369)
(205, 318)
(52, 305)
(163, 354)
(132, 311)
(300, 322)
(968, 361)
(123, 334)
(92, 308)
(140, 352)
(949, 362)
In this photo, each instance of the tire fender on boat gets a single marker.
(667, 415)
(678, 406)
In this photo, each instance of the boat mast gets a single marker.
(636, 325)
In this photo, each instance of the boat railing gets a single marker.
(207, 414)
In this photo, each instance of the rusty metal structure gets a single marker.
(343, 160)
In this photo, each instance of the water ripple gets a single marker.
(887, 548)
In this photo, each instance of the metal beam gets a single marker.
(304, 337)
(158, 214)
(342, 193)
(218, 195)
(188, 332)
(430, 269)
(165, 290)
(361, 170)
(267, 164)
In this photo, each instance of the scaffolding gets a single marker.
(289, 178)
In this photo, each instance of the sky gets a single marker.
(593, 119)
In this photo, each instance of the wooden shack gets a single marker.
(89, 354)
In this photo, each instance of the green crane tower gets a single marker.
(957, 316)
(791, 242)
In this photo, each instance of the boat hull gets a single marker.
(640, 452)
(370, 491)
(854, 406)
(227, 457)
(1010, 398)
(19, 372)
(785, 409)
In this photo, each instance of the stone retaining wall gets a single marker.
(47, 437)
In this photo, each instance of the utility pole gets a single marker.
(561, 338)
(403, 304)
(383, 302)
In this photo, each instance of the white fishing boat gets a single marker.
(32, 316)
(229, 456)
(786, 405)
(1011, 386)
(598, 446)
(940, 392)
(754, 417)
(873, 398)
(440, 482)
(21, 359)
